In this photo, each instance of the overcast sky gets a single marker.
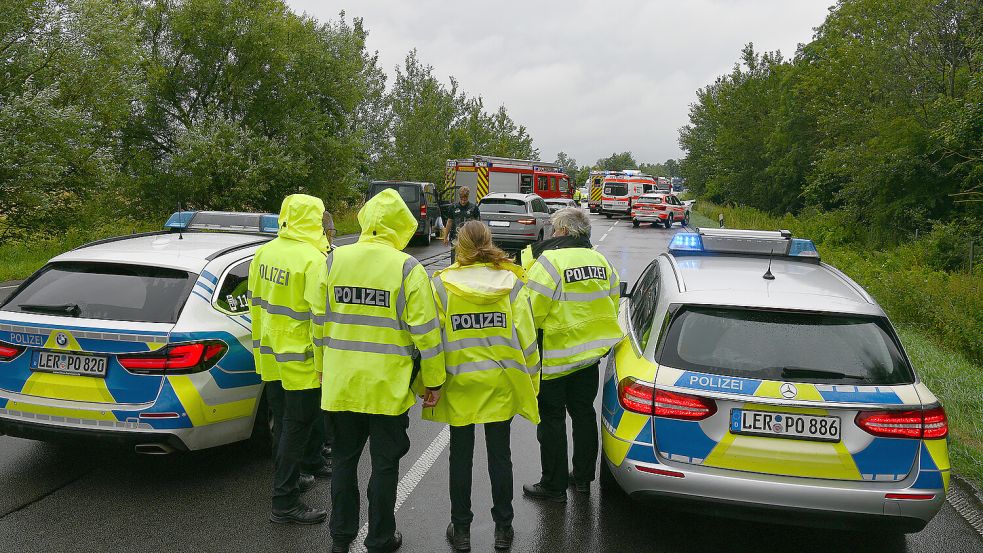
(586, 77)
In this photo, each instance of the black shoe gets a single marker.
(305, 483)
(459, 536)
(323, 472)
(582, 487)
(536, 491)
(299, 515)
(504, 536)
(394, 543)
(340, 547)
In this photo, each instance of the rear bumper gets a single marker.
(651, 217)
(778, 499)
(48, 432)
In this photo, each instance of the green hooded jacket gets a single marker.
(374, 310)
(279, 275)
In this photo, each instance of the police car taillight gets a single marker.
(930, 424)
(176, 359)
(671, 405)
(636, 396)
(9, 351)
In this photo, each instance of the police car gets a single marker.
(142, 339)
(756, 381)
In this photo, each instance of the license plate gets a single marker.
(69, 363)
(785, 425)
(498, 223)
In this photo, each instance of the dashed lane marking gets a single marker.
(410, 480)
(603, 237)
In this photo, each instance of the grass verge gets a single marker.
(958, 383)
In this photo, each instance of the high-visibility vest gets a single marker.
(490, 346)
(281, 270)
(574, 294)
(376, 312)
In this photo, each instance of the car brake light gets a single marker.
(635, 395)
(8, 351)
(526, 221)
(423, 210)
(681, 406)
(915, 424)
(175, 359)
(910, 496)
(660, 472)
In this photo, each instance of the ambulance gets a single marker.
(486, 174)
(620, 190)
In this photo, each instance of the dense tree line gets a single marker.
(112, 108)
(878, 120)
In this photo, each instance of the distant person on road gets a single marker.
(375, 313)
(283, 350)
(577, 196)
(574, 294)
(461, 212)
(492, 373)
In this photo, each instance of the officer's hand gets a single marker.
(431, 397)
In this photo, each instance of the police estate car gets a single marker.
(754, 376)
(142, 339)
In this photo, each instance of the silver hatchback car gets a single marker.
(516, 220)
(757, 381)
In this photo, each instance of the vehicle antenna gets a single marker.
(768, 275)
(180, 231)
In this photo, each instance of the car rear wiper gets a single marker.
(802, 372)
(70, 309)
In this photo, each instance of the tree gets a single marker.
(567, 164)
(617, 161)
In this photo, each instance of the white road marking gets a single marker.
(603, 237)
(5, 287)
(410, 480)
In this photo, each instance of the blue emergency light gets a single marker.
(224, 221)
(742, 242)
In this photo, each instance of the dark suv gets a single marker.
(420, 197)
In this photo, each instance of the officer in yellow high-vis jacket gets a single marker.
(574, 293)
(374, 311)
(283, 348)
(492, 372)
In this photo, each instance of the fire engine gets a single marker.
(486, 174)
(620, 189)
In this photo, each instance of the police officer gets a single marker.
(573, 291)
(492, 373)
(375, 312)
(461, 213)
(283, 349)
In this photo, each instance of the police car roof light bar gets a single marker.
(224, 221)
(743, 242)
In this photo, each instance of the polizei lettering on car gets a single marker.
(275, 275)
(356, 295)
(475, 321)
(588, 272)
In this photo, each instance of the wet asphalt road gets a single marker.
(71, 497)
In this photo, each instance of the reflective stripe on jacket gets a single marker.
(489, 346)
(574, 294)
(279, 273)
(374, 309)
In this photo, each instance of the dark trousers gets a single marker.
(295, 415)
(388, 442)
(497, 443)
(572, 394)
(320, 433)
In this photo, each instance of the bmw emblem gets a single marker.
(61, 339)
(788, 390)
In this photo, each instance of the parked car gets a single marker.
(421, 198)
(141, 340)
(757, 381)
(556, 204)
(515, 219)
(659, 208)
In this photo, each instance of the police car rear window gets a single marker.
(116, 292)
(787, 346)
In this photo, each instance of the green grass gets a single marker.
(346, 220)
(958, 383)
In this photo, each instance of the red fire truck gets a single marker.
(485, 174)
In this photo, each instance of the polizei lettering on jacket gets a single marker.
(468, 321)
(356, 295)
(589, 272)
(275, 275)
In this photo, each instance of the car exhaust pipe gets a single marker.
(153, 449)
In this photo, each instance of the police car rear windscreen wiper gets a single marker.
(802, 372)
(69, 309)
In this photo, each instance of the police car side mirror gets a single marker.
(623, 289)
